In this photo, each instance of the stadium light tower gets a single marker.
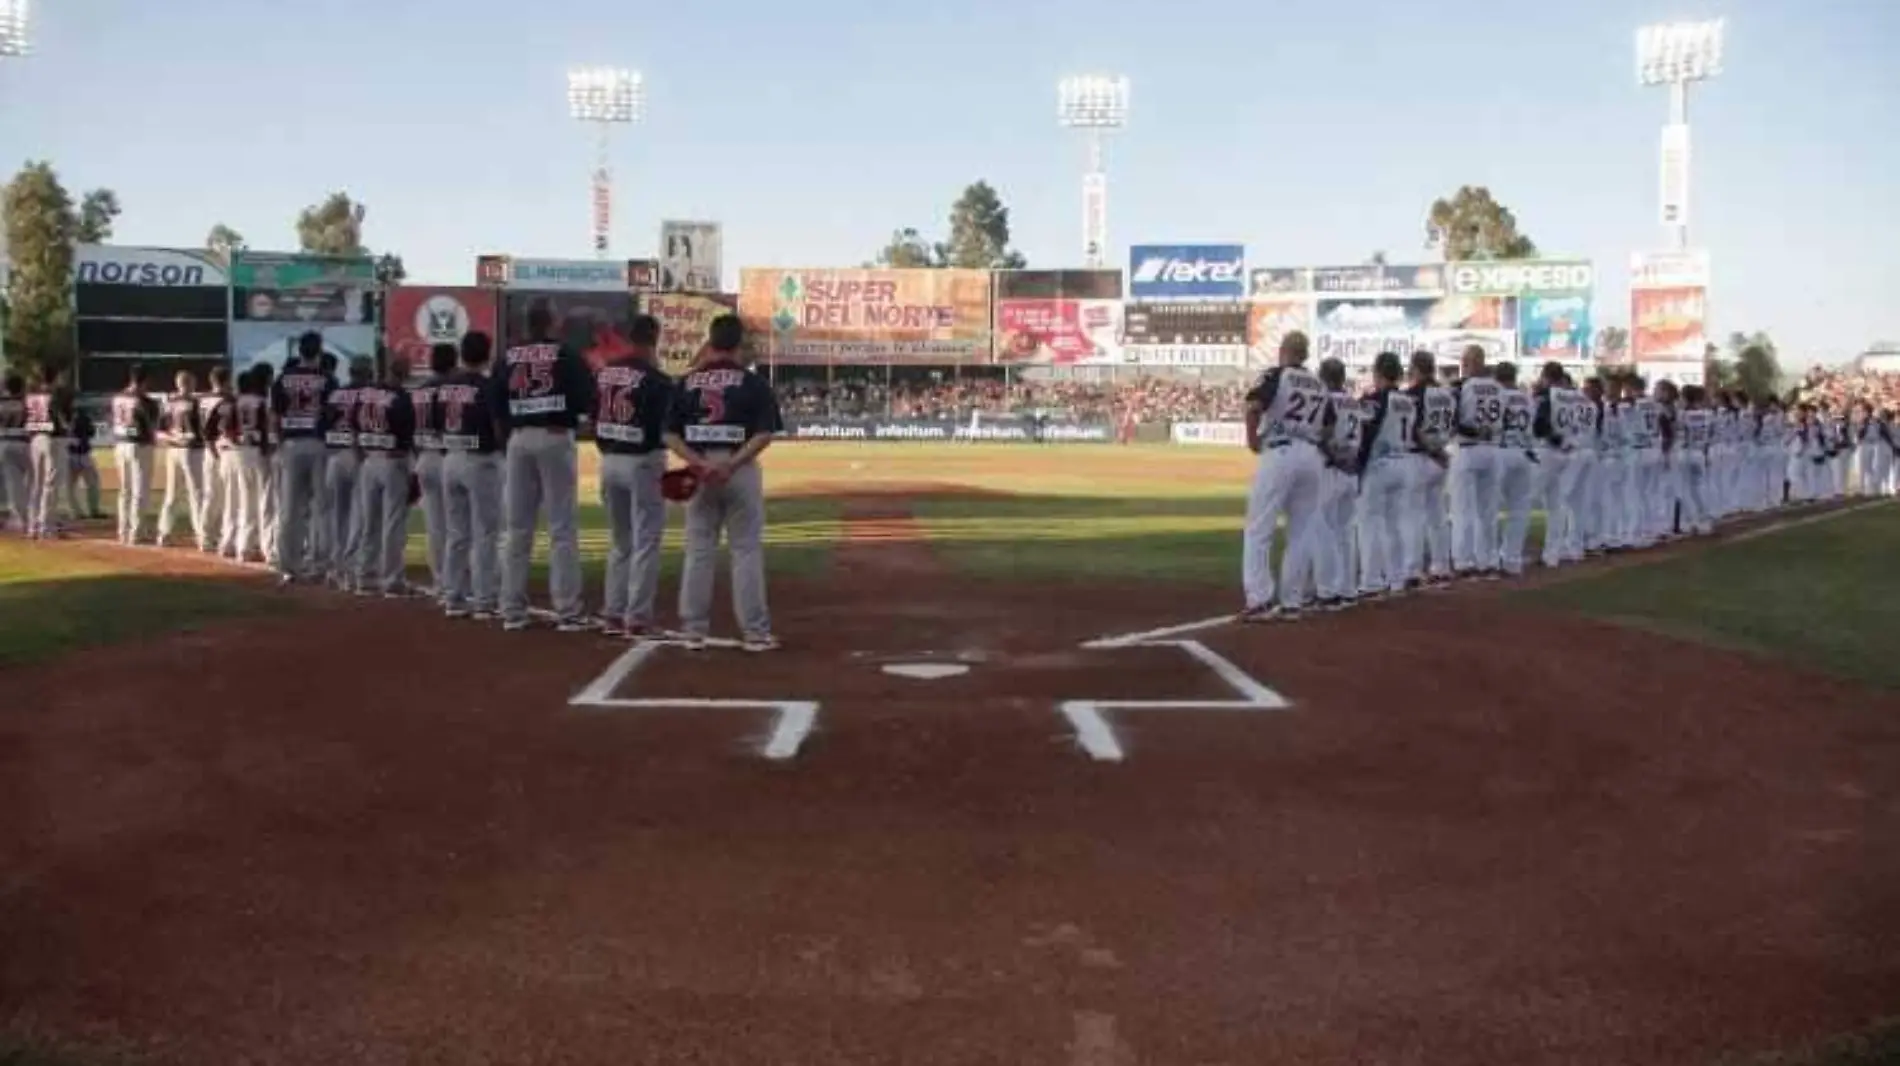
(1675, 54)
(15, 28)
(605, 97)
(1094, 104)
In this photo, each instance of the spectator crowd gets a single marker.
(1842, 388)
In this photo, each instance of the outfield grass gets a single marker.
(1825, 595)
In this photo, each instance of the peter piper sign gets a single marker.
(1520, 277)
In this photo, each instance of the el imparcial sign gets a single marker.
(1514, 277)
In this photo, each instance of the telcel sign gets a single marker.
(1517, 277)
(1175, 271)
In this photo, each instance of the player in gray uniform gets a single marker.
(1517, 470)
(632, 399)
(341, 468)
(471, 485)
(299, 398)
(723, 416)
(15, 466)
(429, 459)
(537, 396)
(49, 425)
(386, 439)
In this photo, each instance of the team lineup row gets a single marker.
(316, 476)
(1421, 482)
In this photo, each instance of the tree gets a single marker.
(1612, 344)
(907, 248)
(1473, 225)
(1717, 372)
(1376, 259)
(223, 240)
(1757, 365)
(41, 226)
(333, 227)
(96, 211)
(979, 232)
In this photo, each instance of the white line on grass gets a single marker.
(1794, 523)
(792, 722)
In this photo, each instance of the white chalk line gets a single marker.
(1090, 718)
(792, 722)
(1130, 640)
(1782, 526)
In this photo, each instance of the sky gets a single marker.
(1315, 133)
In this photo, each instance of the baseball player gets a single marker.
(429, 458)
(1517, 473)
(632, 399)
(1840, 455)
(1388, 450)
(249, 427)
(1333, 555)
(15, 467)
(50, 407)
(223, 466)
(471, 485)
(1612, 480)
(723, 416)
(1862, 440)
(1473, 478)
(181, 431)
(341, 466)
(210, 516)
(299, 399)
(1695, 437)
(1287, 415)
(1554, 412)
(538, 395)
(1586, 500)
(268, 508)
(135, 420)
(1643, 493)
(386, 438)
(1887, 446)
(81, 472)
(1666, 504)
(1772, 456)
(1428, 529)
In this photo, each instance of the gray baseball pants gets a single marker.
(736, 508)
(382, 521)
(471, 508)
(542, 473)
(135, 478)
(16, 471)
(434, 519)
(299, 507)
(247, 493)
(340, 532)
(636, 522)
(50, 476)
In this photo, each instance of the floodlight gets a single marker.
(1092, 101)
(605, 94)
(1677, 52)
(15, 28)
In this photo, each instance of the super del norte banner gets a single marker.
(868, 316)
(277, 296)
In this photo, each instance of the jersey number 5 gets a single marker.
(712, 406)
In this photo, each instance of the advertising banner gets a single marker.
(596, 324)
(418, 317)
(106, 264)
(293, 287)
(989, 428)
(1356, 331)
(274, 342)
(1186, 355)
(1059, 317)
(1364, 278)
(1226, 433)
(1521, 277)
(1554, 327)
(690, 257)
(1668, 324)
(1183, 271)
(552, 275)
(869, 315)
(1670, 270)
(1058, 284)
(1280, 281)
(684, 318)
(1269, 321)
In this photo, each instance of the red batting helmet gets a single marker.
(679, 485)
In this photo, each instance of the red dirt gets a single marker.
(385, 838)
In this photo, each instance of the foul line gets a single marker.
(1089, 718)
(1795, 523)
(792, 722)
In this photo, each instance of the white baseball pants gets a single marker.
(1473, 482)
(1518, 475)
(1285, 481)
(1385, 492)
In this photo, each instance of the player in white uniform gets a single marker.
(1517, 472)
(1334, 555)
(1388, 453)
(1427, 518)
(1474, 468)
(1614, 488)
(1772, 456)
(1804, 455)
(1886, 450)
(1286, 421)
(1587, 456)
(1664, 509)
(1695, 438)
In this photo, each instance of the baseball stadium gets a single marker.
(1219, 661)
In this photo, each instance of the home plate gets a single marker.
(926, 671)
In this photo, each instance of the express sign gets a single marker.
(1514, 277)
(105, 264)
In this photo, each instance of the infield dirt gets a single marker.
(1481, 834)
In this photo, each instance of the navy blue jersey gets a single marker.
(422, 406)
(721, 405)
(298, 399)
(181, 422)
(253, 420)
(385, 420)
(220, 419)
(463, 415)
(134, 418)
(632, 400)
(544, 385)
(83, 431)
(339, 417)
(12, 418)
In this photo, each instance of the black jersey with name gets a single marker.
(721, 405)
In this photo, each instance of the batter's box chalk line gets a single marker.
(792, 720)
(1090, 718)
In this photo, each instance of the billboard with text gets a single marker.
(418, 317)
(1058, 317)
(868, 315)
(1668, 324)
(1554, 327)
(684, 318)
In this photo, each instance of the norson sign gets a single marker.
(105, 264)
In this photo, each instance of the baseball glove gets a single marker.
(679, 485)
(415, 489)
